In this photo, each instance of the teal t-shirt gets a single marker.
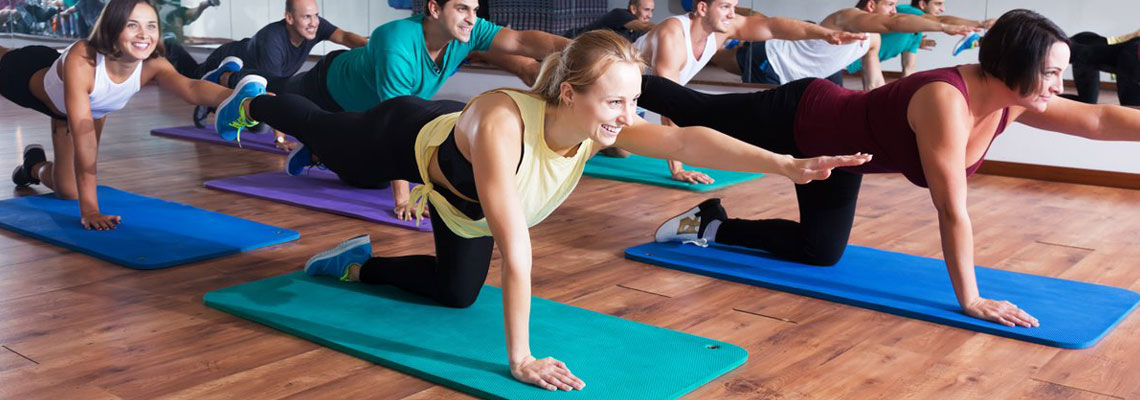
(893, 44)
(396, 63)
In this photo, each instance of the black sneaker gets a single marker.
(33, 155)
(690, 225)
(200, 114)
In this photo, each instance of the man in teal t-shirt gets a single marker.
(357, 82)
(907, 44)
(411, 56)
(893, 44)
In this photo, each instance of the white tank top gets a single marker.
(693, 65)
(814, 58)
(106, 96)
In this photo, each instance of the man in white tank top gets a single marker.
(680, 46)
(785, 61)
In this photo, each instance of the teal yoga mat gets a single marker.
(654, 171)
(154, 234)
(465, 349)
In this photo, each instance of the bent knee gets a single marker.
(458, 299)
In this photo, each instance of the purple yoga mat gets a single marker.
(319, 190)
(252, 141)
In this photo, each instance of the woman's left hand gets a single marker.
(805, 170)
(405, 212)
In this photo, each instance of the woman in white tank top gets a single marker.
(80, 87)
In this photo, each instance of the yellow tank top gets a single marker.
(544, 178)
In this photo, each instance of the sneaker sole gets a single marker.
(233, 59)
(336, 251)
(236, 91)
(289, 161)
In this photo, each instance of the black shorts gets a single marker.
(16, 70)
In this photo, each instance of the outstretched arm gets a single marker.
(1090, 121)
(759, 27)
(860, 21)
(942, 136)
(347, 39)
(704, 147)
(533, 44)
(492, 127)
(193, 91)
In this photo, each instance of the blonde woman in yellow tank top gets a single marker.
(493, 169)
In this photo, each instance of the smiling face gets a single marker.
(717, 14)
(608, 105)
(457, 18)
(1051, 80)
(643, 10)
(304, 19)
(140, 35)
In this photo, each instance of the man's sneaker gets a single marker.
(231, 117)
(969, 42)
(33, 154)
(690, 225)
(299, 159)
(337, 260)
(229, 64)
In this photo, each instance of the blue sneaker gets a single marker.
(231, 117)
(337, 260)
(229, 64)
(967, 43)
(299, 159)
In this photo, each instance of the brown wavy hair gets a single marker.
(105, 36)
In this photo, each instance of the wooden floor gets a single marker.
(73, 327)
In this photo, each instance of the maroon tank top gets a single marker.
(831, 120)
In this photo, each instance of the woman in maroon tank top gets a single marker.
(933, 127)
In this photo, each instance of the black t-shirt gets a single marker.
(272, 55)
(615, 20)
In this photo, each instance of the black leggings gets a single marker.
(766, 119)
(311, 84)
(369, 149)
(1092, 54)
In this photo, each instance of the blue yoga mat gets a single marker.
(1072, 314)
(465, 349)
(154, 234)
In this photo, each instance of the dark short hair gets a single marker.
(288, 6)
(441, 3)
(635, 3)
(917, 3)
(105, 36)
(1015, 48)
(862, 3)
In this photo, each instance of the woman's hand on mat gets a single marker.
(547, 373)
(1002, 312)
(100, 222)
(404, 211)
(805, 170)
(692, 176)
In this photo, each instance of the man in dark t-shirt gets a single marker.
(280, 49)
(631, 22)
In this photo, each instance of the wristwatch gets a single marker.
(280, 140)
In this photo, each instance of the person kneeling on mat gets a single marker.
(492, 169)
(933, 127)
(91, 79)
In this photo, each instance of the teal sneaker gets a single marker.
(229, 64)
(337, 260)
(969, 42)
(231, 117)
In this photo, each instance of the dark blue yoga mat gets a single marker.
(1072, 314)
(154, 233)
